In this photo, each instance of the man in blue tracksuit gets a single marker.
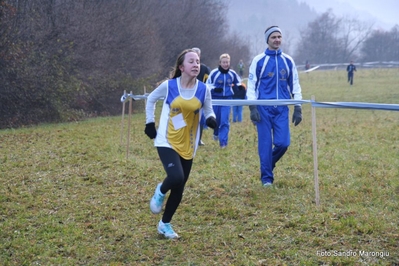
(273, 75)
(350, 69)
(221, 81)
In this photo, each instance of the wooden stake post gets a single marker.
(123, 115)
(145, 100)
(128, 126)
(315, 163)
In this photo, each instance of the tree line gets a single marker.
(332, 39)
(65, 60)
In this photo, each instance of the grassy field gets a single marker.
(68, 196)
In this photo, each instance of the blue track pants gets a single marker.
(273, 138)
(222, 118)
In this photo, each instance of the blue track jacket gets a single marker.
(262, 83)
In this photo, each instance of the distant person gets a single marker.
(350, 69)
(222, 80)
(202, 76)
(176, 140)
(273, 76)
(241, 68)
(307, 65)
(240, 93)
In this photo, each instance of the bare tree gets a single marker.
(329, 39)
(353, 33)
(318, 43)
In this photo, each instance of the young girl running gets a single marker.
(185, 100)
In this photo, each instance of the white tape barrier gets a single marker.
(349, 105)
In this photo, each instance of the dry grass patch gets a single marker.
(70, 197)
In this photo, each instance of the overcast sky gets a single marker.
(386, 11)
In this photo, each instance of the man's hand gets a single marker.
(255, 117)
(297, 116)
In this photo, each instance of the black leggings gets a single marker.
(177, 171)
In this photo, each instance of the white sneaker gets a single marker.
(157, 200)
(166, 230)
(267, 184)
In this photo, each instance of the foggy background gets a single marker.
(249, 19)
(67, 60)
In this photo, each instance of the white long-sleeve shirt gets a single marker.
(180, 117)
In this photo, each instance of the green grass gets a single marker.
(68, 196)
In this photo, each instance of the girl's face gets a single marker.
(191, 65)
(225, 63)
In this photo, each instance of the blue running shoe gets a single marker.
(166, 230)
(157, 200)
